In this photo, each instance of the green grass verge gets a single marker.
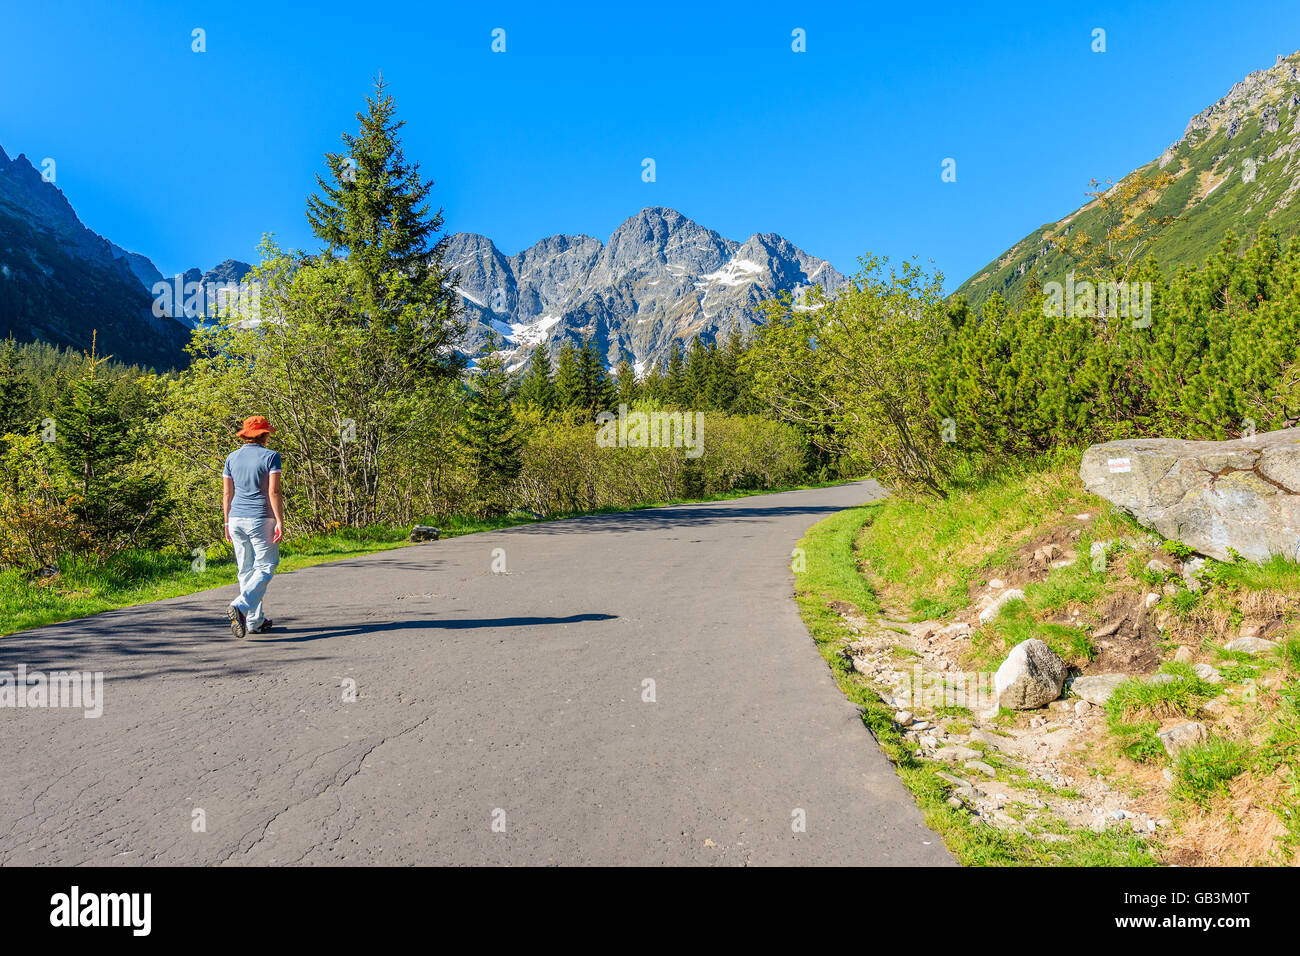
(830, 573)
(954, 542)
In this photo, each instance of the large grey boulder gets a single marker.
(1242, 494)
(1030, 677)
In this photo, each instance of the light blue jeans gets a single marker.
(256, 555)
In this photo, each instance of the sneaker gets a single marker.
(261, 628)
(236, 617)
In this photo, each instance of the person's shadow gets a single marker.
(299, 634)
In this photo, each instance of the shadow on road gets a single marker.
(317, 634)
(198, 643)
(673, 516)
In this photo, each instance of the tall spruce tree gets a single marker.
(652, 387)
(488, 433)
(597, 389)
(15, 391)
(675, 377)
(374, 211)
(96, 437)
(569, 387)
(627, 388)
(699, 369)
(537, 389)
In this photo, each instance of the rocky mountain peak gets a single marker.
(660, 278)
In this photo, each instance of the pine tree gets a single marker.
(699, 369)
(488, 433)
(569, 391)
(597, 389)
(626, 386)
(96, 439)
(374, 211)
(537, 389)
(652, 388)
(725, 385)
(675, 377)
(15, 391)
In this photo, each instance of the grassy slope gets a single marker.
(831, 574)
(1237, 799)
(1204, 158)
(138, 577)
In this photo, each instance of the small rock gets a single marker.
(1155, 567)
(1183, 655)
(1106, 630)
(954, 803)
(1081, 707)
(995, 607)
(1208, 674)
(1250, 645)
(920, 725)
(980, 766)
(903, 718)
(1031, 676)
(1190, 571)
(1083, 517)
(1152, 599)
(1097, 688)
(929, 743)
(1183, 735)
(996, 584)
(961, 785)
(954, 753)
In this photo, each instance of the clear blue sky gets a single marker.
(189, 158)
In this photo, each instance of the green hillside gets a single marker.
(1235, 167)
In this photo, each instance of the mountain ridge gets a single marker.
(661, 278)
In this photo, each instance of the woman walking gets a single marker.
(253, 508)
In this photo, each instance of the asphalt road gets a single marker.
(499, 717)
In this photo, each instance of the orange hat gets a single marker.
(254, 427)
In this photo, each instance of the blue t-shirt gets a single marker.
(250, 467)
